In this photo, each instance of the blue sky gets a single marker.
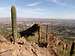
(39, 8)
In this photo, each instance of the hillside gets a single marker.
(56, 47)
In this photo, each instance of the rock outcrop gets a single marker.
(22, 48)
(56, 47)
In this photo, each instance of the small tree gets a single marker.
(13, 20)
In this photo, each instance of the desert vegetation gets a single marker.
(36, 40)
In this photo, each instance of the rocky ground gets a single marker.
(56, 47)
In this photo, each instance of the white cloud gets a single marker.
(22, 12)
(33, 4)
(59, 2)
(42, 13)
(70, 3)
(30, 12)
(4, 12)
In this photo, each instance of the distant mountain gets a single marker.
(42, 20)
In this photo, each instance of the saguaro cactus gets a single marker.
(13, 20)
(39, 35)
(46, 33)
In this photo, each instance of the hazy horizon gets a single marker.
(47, 20)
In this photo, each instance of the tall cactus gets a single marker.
(46, 33)
(13, 20)
(39, 35)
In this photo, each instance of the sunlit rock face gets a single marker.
(19, 49)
